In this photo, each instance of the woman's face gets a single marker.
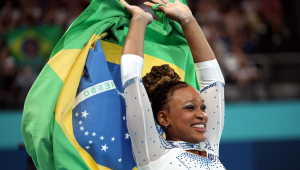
(187, 118)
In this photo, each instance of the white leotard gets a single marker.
(150, 149)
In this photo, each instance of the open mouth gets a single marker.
(199, 127)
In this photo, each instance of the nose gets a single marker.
(201, 115)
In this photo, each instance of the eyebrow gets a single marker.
(203, 103)
(189, 101)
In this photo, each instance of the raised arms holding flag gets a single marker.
(175, 11)
(192, 141)
(182, 14)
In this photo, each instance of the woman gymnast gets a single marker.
(192, 120)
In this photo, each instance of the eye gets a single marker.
(203, 108)
(189, 107)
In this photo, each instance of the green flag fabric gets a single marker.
(48, 120)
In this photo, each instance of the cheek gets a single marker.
(184, 118)
(176, 117)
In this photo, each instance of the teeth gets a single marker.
(198, 125)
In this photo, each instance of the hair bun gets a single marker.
(159, 75)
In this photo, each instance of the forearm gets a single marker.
(134, 43)
(196, 40)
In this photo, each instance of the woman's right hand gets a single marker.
(137, 12)
(176, 11)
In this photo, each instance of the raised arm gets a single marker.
(134, 43)
(208, 72)
(181, 13)
(145, 139)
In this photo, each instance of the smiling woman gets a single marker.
(160, 98)
(175, 101)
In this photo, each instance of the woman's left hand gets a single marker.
(176, 11)
(137, 12)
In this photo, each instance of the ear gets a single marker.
(163, 118)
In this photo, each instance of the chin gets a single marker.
(198, 139)
(202, 138)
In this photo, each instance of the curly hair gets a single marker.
(160, 85)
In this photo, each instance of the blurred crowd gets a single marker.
(234, 29)
(17, 74)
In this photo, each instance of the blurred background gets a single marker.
(257, 44)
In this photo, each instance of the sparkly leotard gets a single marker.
(151, 150)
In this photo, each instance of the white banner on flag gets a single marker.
(94, 90)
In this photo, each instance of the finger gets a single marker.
(166, 1)
(161, 8)
(126, 5)
(158, 1)
(149, 4)
(177, 1)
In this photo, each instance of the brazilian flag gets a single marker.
(74, 116)
(42, 37)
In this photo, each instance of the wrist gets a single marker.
(140, 18)
(186, 20)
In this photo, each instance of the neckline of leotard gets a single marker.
(187, 146)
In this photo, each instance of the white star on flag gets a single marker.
(94, 134)
(127, 135)
(120, 160)
(81, 128)
(84, 114)
(87, 147)
(113, 139)
(76, 114)
(124, 117)
(101, 137)
(80, 122)
(86, 133)
(104, 147)
(90, 142)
